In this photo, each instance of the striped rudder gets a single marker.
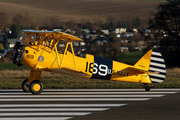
(157, 64)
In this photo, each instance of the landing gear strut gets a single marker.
(147, 88)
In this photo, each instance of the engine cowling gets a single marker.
(18, 53)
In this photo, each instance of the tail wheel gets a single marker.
(36, 87)
(147, 88)
(25, 85)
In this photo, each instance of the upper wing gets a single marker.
(62, 35)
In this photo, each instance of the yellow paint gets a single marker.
(46, 58)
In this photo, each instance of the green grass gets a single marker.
(13, 80)
(130, 58)
(11, 66)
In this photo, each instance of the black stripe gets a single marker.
(160, 78)
(155, 51)
(158, 62)
(156, 56)
(154, 66)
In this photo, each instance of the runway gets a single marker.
(90, 104)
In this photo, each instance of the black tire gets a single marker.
(36, 87)
(147, 88)
(25, 86)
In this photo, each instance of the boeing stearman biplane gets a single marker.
(45, 53)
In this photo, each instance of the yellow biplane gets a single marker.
(46, 53)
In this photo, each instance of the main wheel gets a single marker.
(36, 87)
(147, 88)
(25, 85)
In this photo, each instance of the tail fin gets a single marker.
(153, 62)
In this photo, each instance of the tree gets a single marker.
(29, 21)
(112, 46)
(17, 25)
(55, 22)
(1, 46)
(136, 22)
(5, 42)
(18, 20)
(3, 19)
(15, 31)
(71, 24)
(166, 35)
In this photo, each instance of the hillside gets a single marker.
(78, 9)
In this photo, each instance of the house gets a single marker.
(12, 42)
(59, 30)
(135, 30)
(89, 36)
(120, 30)
(87, 31)
(124, 49)
(105, 31)
(70, 31)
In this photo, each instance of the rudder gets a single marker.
(153, 62)
(157, 64)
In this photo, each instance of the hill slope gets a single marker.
(78, 9)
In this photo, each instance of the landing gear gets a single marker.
(36, 87)
(25, 85)
(147, 88)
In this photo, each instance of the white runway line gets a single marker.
(45, 114)
(76, 96)
(85, 90)
(88, 93)
(77, 99)
(61, 105)
(51, 109)
(37, 118)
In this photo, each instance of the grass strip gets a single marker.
(10, 79)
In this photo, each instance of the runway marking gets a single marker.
(52, 109)
(45, 114)
(88, 93)
(75, 96)
(62, 105)
(85, 90)
(30, 111)
(109, 90)
(78, 99)
(37, 118)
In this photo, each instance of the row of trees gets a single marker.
(167, 18)
(27, 21)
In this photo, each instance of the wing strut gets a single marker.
(69, 42)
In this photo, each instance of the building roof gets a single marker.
(12, 41)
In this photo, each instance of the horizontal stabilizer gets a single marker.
(141, 71)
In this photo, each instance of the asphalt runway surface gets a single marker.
(91, 104)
